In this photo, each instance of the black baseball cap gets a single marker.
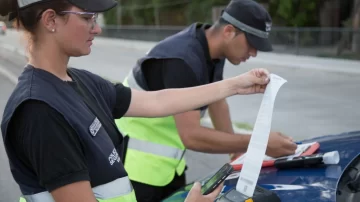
(251, 18)
(97, 6)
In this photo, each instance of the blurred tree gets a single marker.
(295, 13)
(145, 12)
(356, 25)
(351, 40)
(110, 17)
(180, 12)
(200, 10)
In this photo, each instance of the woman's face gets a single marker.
(75, 31)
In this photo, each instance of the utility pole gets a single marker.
(356, 25)
(156, 13)
(118, 13)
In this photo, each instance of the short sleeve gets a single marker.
(44, 140)
(123, 99)
(108, 89)
(105, 87)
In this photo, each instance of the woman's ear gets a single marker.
(48, 19)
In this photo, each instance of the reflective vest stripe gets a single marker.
(150, 147)
(154, 148)
(152, 141)
(42, 196)
(117, 188)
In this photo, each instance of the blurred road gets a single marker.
(312, 103)
(8, 188)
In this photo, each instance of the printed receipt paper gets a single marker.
(258, 142)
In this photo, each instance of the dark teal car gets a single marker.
(332, 183)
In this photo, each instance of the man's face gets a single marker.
(236, 46)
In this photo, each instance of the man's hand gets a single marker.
(280, 145)
(196, 196)
(234, 156)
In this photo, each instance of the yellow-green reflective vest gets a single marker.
(155, 151)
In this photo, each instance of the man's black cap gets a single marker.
(97, 6)
(251, 18)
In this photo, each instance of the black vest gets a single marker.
(183, 45)
(103, 159)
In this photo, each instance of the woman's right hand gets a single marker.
(251, 82)
(196, 196)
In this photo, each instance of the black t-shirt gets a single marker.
(46, 143)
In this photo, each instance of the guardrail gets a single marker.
(314, 41)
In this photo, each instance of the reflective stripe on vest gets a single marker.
(154, 148)
(150, 147)
(154, 144)
(117, 189)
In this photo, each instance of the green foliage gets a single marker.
(296, 13)
(200, 10)
(182, 12)
(142, 12)
(110, 17)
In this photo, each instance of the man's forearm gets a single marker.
(220, 116)
(208, 140)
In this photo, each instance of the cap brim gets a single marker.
(97, 6)
(260, 44)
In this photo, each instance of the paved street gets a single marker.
(312, 103)
(8, 188)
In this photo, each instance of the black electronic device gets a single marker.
(215, 180)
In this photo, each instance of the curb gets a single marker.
(282, 60)
(9, 75)
(12, 49)
(275, 59)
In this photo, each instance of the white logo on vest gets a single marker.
(114, 156)
(268, 26)
(95, 127)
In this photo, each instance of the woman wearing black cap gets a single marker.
(58, 126)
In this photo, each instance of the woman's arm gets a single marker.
(172, 101)
(78, 191)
